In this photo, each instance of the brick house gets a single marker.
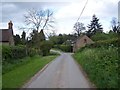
(81, 42)
(6, 35)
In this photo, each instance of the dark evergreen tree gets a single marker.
(42, 35)
(36, 38)
(94, 26)
(23, 37)
(17, 39)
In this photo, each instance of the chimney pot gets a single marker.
(10, 24)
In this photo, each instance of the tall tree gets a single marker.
(39, 19)
(41, 35)
(94, 26)
(34, 39)
(115, 25)
(23, 37)
(17, 39)
(79, 27)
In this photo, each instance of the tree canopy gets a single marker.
(79, 27)
(94, 26)
(39, 19)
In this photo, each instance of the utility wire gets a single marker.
(82, 10)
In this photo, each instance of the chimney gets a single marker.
(10, 24)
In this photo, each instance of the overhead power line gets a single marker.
(82, 10)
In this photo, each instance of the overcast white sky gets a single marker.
(66, 12)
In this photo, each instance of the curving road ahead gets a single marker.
(63, 72)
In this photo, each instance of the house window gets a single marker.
(85, 40)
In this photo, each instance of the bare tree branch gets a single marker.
(39, 19)
(79, 27)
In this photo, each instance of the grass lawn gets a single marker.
(19, 75)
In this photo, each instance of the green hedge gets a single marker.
(13, 53)
(100, 61)
(105, 43)
(65, 48)
(45, 47)
(31, 52)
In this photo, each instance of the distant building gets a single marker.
(6, 35)
(81, 42)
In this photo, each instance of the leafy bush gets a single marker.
(31, 52)
(45, 47)
(100, 36)
(18, 52)
(104, 36)
(57, 46)
(11, 54)
(105, 43)
(66, 48)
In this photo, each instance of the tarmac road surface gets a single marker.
(63, 72)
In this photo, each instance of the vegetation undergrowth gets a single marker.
(101, 65)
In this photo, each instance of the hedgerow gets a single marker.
(100, 61)
(13, 53)
(45, 47)
(101, 65)
(65, 48)
(105, 43)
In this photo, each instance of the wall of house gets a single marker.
(4, 43)
(81, 42)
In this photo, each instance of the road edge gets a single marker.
(34, 77)
(84, 73)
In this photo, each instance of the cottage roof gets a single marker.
(5, 34)
(79, 38)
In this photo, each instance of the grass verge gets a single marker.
(101, 65)
(19, 75)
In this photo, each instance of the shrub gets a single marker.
(100, 36)
(45, 47)
(31, 52)
(56, 46)
(18, 52)
(66, 48)
(104, 36)
(105, 43)
(12, 52)
(113, 41)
